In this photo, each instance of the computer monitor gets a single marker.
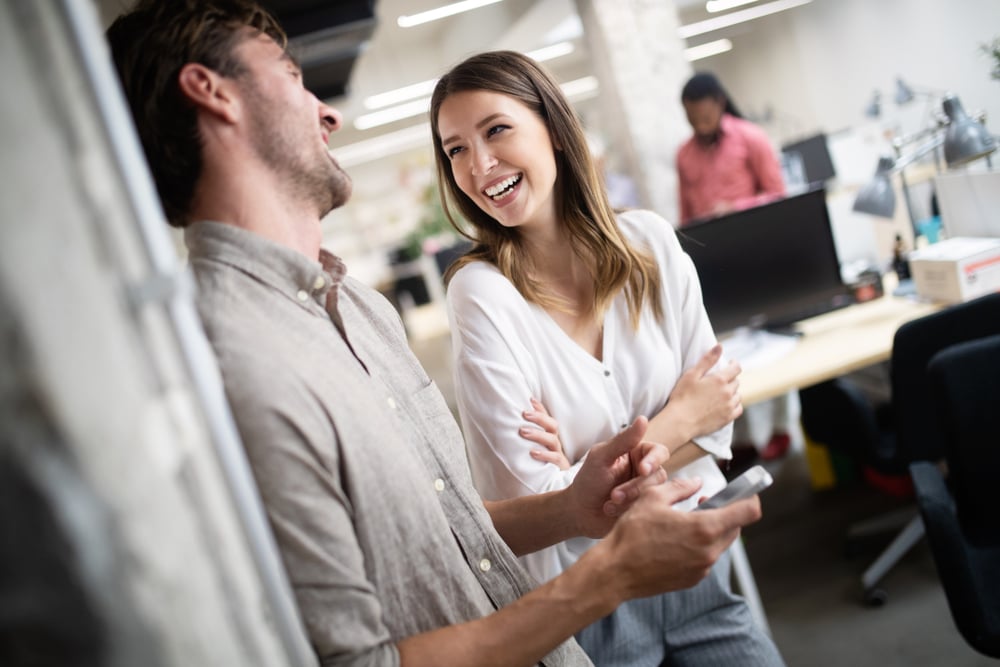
(815, 155)
(768, 266)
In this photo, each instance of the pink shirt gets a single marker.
(739, 171)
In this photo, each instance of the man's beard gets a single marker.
(312, 177)
(338, 186)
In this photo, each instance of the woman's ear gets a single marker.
(207, 90)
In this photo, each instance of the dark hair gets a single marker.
(150, 44)
(581, 202)
(703, 85)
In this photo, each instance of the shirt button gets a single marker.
(607, 373)
(303, 295)
(485, 565)
(439, 485)
(392, 402)
(624, 426)
(319, 283)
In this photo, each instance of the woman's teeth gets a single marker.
(502, 189)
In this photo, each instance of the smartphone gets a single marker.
(751, 482)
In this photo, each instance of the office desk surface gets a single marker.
(833, 344)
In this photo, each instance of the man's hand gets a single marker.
(654, 548)
(611, 476)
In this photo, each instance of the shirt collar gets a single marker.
(290, 272)
(726, 124)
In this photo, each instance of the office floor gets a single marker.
(810, 584)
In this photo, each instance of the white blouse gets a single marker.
(507, 350)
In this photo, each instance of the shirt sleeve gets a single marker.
(763, 161)
(310, 514)
(495, 378)
(684, 307)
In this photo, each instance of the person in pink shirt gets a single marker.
(729, 163)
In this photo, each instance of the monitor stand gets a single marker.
(754, 348)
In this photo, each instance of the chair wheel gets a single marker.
(875, 597)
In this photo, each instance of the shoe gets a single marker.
(776, 447)
(897, 486)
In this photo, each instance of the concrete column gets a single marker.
(639, 59)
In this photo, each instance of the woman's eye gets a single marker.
(496, 129)
(453, 151)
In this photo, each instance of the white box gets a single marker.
(957, 269)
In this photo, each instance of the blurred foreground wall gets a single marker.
(130, 532)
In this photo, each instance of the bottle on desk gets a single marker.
(900, 264)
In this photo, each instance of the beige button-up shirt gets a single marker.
(359, 462)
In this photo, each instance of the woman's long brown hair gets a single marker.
(581, 202)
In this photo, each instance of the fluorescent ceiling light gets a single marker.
(551, 52)
(713, 6)
(575, 88)
(392, 114)
(419, 135)
(390, 97)
(580, 88)
(708, 49)
(441, 12)
(719, 22)
(384, 145)
(425, 88)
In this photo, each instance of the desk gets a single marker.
(833, 344)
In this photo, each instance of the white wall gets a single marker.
(817, 65)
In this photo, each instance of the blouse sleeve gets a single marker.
(682, 299)
(495, 378)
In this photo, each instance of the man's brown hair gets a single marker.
(150, 44)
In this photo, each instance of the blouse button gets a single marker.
(607, 373)
(439, 485)
(392, 402)
(303, 295)
(319, 283)
(485, 565)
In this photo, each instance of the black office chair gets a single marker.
(888, 438)
(962, 526)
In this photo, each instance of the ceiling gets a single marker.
(327, 37)
(352, 49)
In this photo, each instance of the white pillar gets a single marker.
(639, 60)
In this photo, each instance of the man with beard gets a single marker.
(729, 163)
(393, 557)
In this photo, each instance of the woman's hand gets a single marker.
(547, 435)
(704, 400)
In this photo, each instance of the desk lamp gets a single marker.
(904, 94)
(874, 108)
(877, 197)
(964, 140)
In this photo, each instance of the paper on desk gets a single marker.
(754, 349)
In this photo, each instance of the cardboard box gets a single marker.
(957, 269)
